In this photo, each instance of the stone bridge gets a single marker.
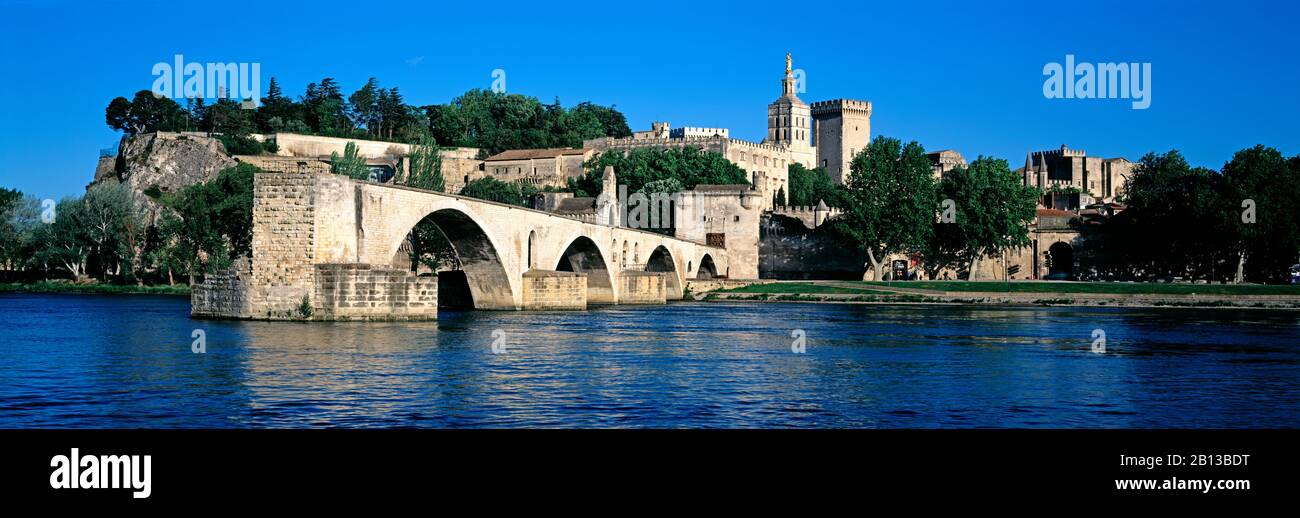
(327, 247)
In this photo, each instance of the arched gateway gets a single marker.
(327, 247)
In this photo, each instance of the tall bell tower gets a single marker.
(788, 119)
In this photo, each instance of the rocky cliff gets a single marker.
(171, 161)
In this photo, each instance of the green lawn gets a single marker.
(107, 289)
(1120, 288)
(796, 287)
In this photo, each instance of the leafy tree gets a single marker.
(496, 121)
(613, 123)
(890, 201)
(19, 216)
(1176, 224)
(993, 209)
(1260, 177)
(351, 164)
(363, 106)
(228, 117)
(639, 167)
(209, 224)
(111, 218)
(491, 189)
(324, 109)
(810, 186)
(65, 242)
(145, 113)
(426, 166)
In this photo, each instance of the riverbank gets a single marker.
(1001, 293)
(92, 288)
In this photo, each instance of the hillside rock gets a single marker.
(171, 161)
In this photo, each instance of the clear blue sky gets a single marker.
(966, 77)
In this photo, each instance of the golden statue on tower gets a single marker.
(787, 62)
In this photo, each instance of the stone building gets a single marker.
(794, 130)
(945, 161)
(841, 129)
(723, 215)
(537, 167)
(1099, 179)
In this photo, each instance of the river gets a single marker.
(74, 361)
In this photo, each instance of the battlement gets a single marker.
(694, 131)
(797, 211)
(835, 106)
(1063, 151)
(755, 145)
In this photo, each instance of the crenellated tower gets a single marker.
(842, 129)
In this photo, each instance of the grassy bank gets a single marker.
(804, 288)
(104, 289)
(1117, 288)
(1019, 293)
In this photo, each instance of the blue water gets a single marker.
(71, 361)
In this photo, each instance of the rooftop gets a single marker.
(525, 154)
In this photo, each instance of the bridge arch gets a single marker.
(476, 252)
(707, 269)
(661, 260)
(583, 255)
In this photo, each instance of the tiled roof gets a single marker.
(575, 205)
(525, 154)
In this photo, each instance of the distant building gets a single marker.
(1068, 170)
(538, 167)
(945, 161)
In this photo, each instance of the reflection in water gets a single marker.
(94, 361)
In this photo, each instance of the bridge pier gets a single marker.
(550, 290)
(638, 287)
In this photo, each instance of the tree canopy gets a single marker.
(890, 201)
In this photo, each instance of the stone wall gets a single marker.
(284, 243)
(643, 288)
(554, 290)
(353, 291)
(222, 294)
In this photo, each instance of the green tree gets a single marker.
(992, 209)
(351, 164)
(640, 167)
(1176, 224)
(64, 243)
(810, 186)
(491, 189)
(1260, 178)
(324, 109)
(426, 165)
(112, 219)
(209, 224)
(890, 201)
(145, 114)
(613, 123)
